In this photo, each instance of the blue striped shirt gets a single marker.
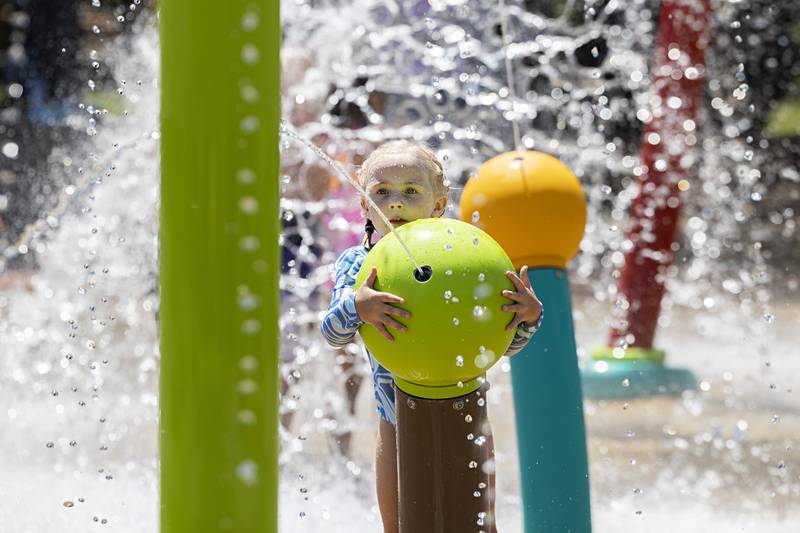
(342, 321)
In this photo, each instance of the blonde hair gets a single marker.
(425, 157)
(423, 154)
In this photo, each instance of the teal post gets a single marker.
(554, 471)
(219, 266)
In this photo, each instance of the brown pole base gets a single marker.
(443, 464)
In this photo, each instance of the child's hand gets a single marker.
(375, 308)
(527, 307)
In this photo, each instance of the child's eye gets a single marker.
(382, 190)
(411, 190)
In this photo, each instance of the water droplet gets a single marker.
(477, 494)
(448, 272)
(455, 321)
(470, 436)
(769, 317)
(68, 503)
(245, 176)
(481, 277)
(448, 295)
(481, 313)
(50, 444)
(468, 418)
(249, 124)
(448, 247)
(247, 386)
(476, 241)
(249, 21)
(249, 243)
(11, 150)
(459, 361)
(247, 472)
(473, 464)
(248, 205)
(251, 326)
(250, 54)
(481, 402)
(247, 417)
(626, 382)
(475, 216)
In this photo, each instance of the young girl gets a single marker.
(406, 181)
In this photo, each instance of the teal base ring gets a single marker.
(608, 379)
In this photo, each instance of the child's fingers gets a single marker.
(526, 280)
(395, 324)
(396, 311)
(373, 275)
(383, 331)
(392, 298)
(514, 323)
(515, 280)
(511, 295)
(513, 308)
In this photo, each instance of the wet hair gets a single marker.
(424, 156)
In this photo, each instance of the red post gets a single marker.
(669, 135)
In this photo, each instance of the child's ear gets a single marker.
(440, 206)
(364, 206)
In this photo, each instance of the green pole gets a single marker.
(219, 265)
(554, 471)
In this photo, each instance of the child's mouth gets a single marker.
(397, 221)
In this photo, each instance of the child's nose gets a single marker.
(396, 205)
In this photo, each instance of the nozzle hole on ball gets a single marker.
(423, 273)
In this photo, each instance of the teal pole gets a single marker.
(219, 266)
(554, 471)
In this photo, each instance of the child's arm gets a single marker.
(341, 322)
(527, 310)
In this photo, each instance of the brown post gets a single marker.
(443, 447)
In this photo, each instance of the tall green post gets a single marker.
(219, 265)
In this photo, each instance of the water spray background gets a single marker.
(80, 356)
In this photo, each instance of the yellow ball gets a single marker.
(532, 204)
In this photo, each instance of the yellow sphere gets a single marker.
(531, 203)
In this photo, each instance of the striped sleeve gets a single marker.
(341, 321)
(523, 335)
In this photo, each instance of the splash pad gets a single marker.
(714, 457)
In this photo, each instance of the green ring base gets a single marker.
(439, 393)
(651, 355)
(606, 379)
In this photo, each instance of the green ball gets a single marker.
(457, 327)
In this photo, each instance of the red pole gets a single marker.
(678, 72)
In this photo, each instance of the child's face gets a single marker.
(402, 189)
